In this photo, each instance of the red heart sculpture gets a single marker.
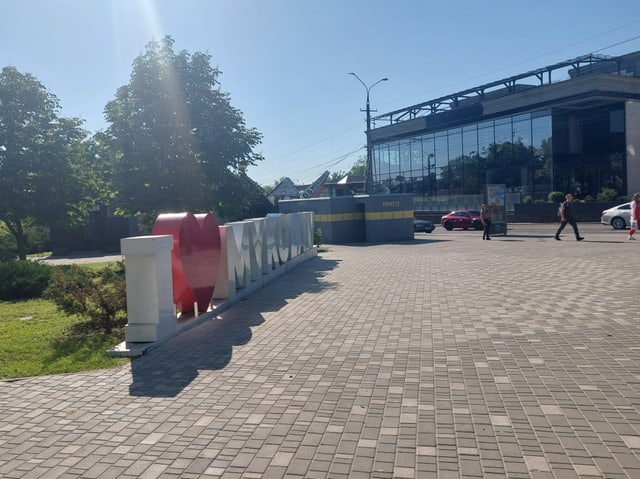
(194, 259)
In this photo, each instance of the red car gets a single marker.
(465, 219)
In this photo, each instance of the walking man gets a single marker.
(567, 216)
(485, 216)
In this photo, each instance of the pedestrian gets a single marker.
(485, 216)
(567, 216)
(634, 214)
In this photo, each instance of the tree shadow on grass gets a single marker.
(166, 370)
(81, 346)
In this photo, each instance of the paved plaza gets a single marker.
(443, 357)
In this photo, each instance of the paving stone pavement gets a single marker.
(444, 357)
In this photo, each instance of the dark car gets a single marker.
(425, 226)
(465, 219)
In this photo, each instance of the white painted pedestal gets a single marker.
(150, 310)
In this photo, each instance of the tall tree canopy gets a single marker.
(180, 144)
(45, 176)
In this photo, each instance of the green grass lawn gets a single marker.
(37, 339)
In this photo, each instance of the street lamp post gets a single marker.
(368, 182)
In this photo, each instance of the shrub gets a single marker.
(527, 199)
(99, 296)
(317, 236)
(556, 197)
(23, 279)
(607, 194)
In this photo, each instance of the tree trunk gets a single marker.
(16, 230)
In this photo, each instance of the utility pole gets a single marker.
(368, 182)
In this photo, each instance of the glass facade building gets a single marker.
(570, 136)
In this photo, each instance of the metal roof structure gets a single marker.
(579, 66)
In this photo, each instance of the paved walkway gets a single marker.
(444, 357)
(82, 257)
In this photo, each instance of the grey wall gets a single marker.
(358, 219)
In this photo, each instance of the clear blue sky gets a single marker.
(285, 63)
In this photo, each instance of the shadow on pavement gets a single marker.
(166, 370)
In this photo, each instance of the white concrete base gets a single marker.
(150, 308)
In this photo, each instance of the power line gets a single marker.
(312, 144)
(619, 43)
(329, 164)
(338, 160)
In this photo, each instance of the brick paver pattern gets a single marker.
(444, 357)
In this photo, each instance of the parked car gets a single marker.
(464, 219)
(423, 225)
(618, 216)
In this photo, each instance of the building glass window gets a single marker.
(441, 149)
(404, 172)
(394, 159)
(532, 154)
(473, 172)
(589, 153)
(542, 162)
(382, 158)
(454, 173)
(417, 169)
(486, 138)
(428, 146)
(470, 140)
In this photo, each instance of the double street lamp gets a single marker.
(368, 182)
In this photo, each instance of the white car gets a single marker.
(617, 217)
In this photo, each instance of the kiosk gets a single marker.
(495, 200)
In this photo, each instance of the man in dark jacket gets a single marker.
(567, 216)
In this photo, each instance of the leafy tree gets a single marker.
(359, 168)
(44, 172)
(179, 143)
(102, 155)
(336, 176)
